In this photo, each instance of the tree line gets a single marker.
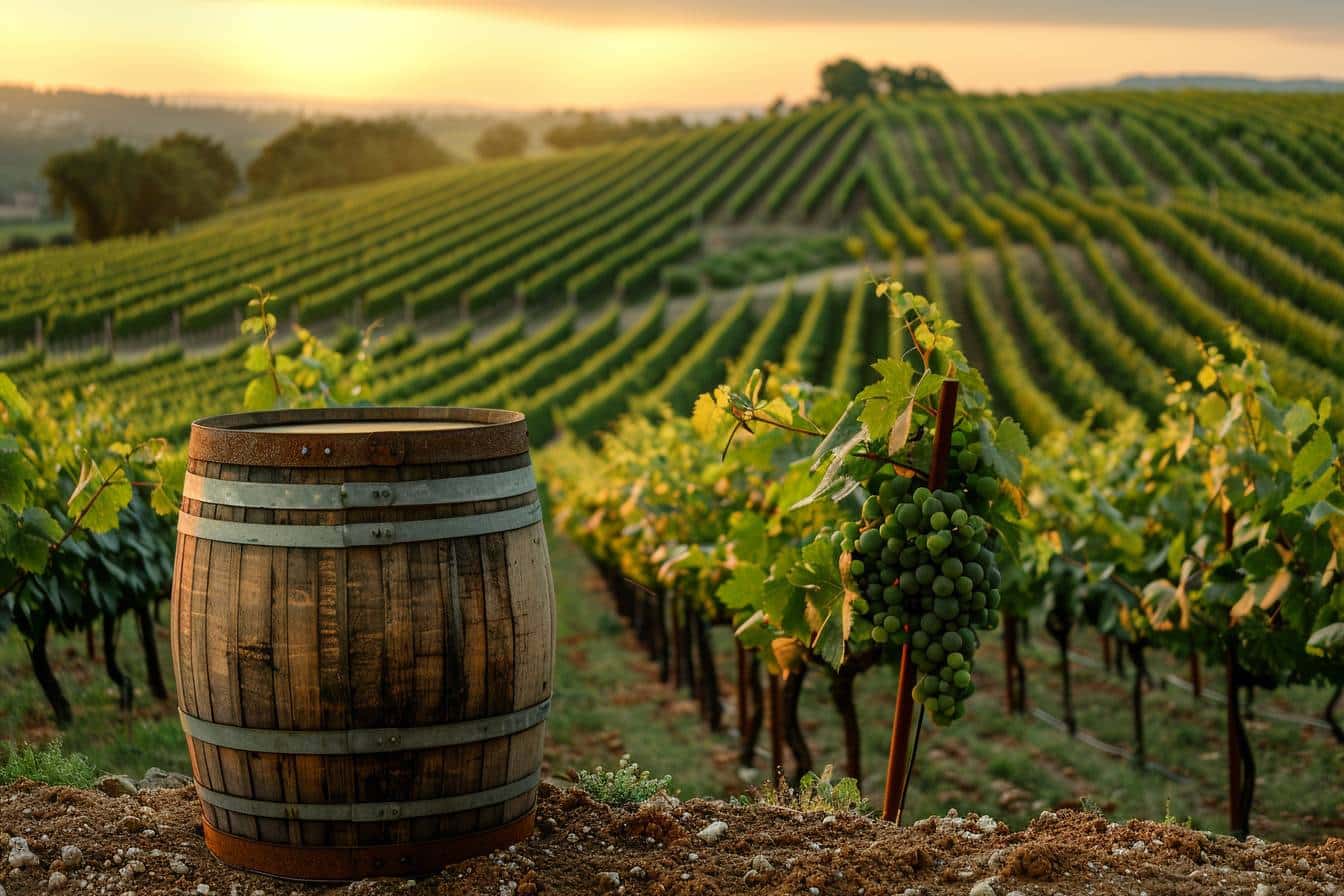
(506, 139)
(849, 79)
(114, 189)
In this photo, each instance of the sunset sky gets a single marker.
(640, 53)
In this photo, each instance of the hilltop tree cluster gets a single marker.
(595, 128)
(312, 155)
(849, 79)
(114, 189)
(502, 140)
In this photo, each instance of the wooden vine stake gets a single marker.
(898, 769)
(776, 733)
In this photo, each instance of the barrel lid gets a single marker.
(358, 436)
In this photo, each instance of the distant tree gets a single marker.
(920, 77)
(187, 177)
(212, 158)
(501, 140)
(113, 189)
(846, 79)
(926, 77)
(313, 154)
(99, 186)
(778, 106)
(594, 129)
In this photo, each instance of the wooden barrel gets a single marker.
(363, 636)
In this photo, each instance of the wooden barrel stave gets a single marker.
(274, 655)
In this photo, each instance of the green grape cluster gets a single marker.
(924, 565)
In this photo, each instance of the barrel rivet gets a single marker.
(327, 451)
(304, 450)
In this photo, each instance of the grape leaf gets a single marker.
(257, 358)
(1002, 450)
(885, 400)
(97, 507)
(15, 474)
(166, 499)
(748, 537)
(847, 432)
(1300, 416)
(1318, 451)
(31, 543)
(744, 588)
(12, 400)
(818, 573)
(1309, 495)
(260, 394)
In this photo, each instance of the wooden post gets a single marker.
(38, 333)
(897, 756)
(1234, 760)
(109, 335)
(1195, 682)
(741, 692)
(176, 325)
(776, 732)
(1238, 812)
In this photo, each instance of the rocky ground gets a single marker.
(149, 842)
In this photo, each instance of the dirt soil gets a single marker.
(150, 844)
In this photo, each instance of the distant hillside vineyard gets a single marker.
(1087, 241)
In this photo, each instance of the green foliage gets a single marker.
(624, 785)
(50, 764)
(501, 140)
(317, 376)
(312, 155)
(69, 473)
(1218, 528)
(594, 129)
(817, 793)
(725, 508)
(846, 79)
(113, 189)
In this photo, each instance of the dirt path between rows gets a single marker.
(150, 844)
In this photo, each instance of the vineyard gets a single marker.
(1099, 464)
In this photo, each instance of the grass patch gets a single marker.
(625, 784)
(50, 764)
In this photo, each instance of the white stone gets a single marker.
(608, 880)
(20, 856)
(57, 881)
(713, 832)
(203, 889)
(71, 857)
(177, 866)
(987, 824)
(1263, 890)
(829, 819)
(761, 863)
(984, 888)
